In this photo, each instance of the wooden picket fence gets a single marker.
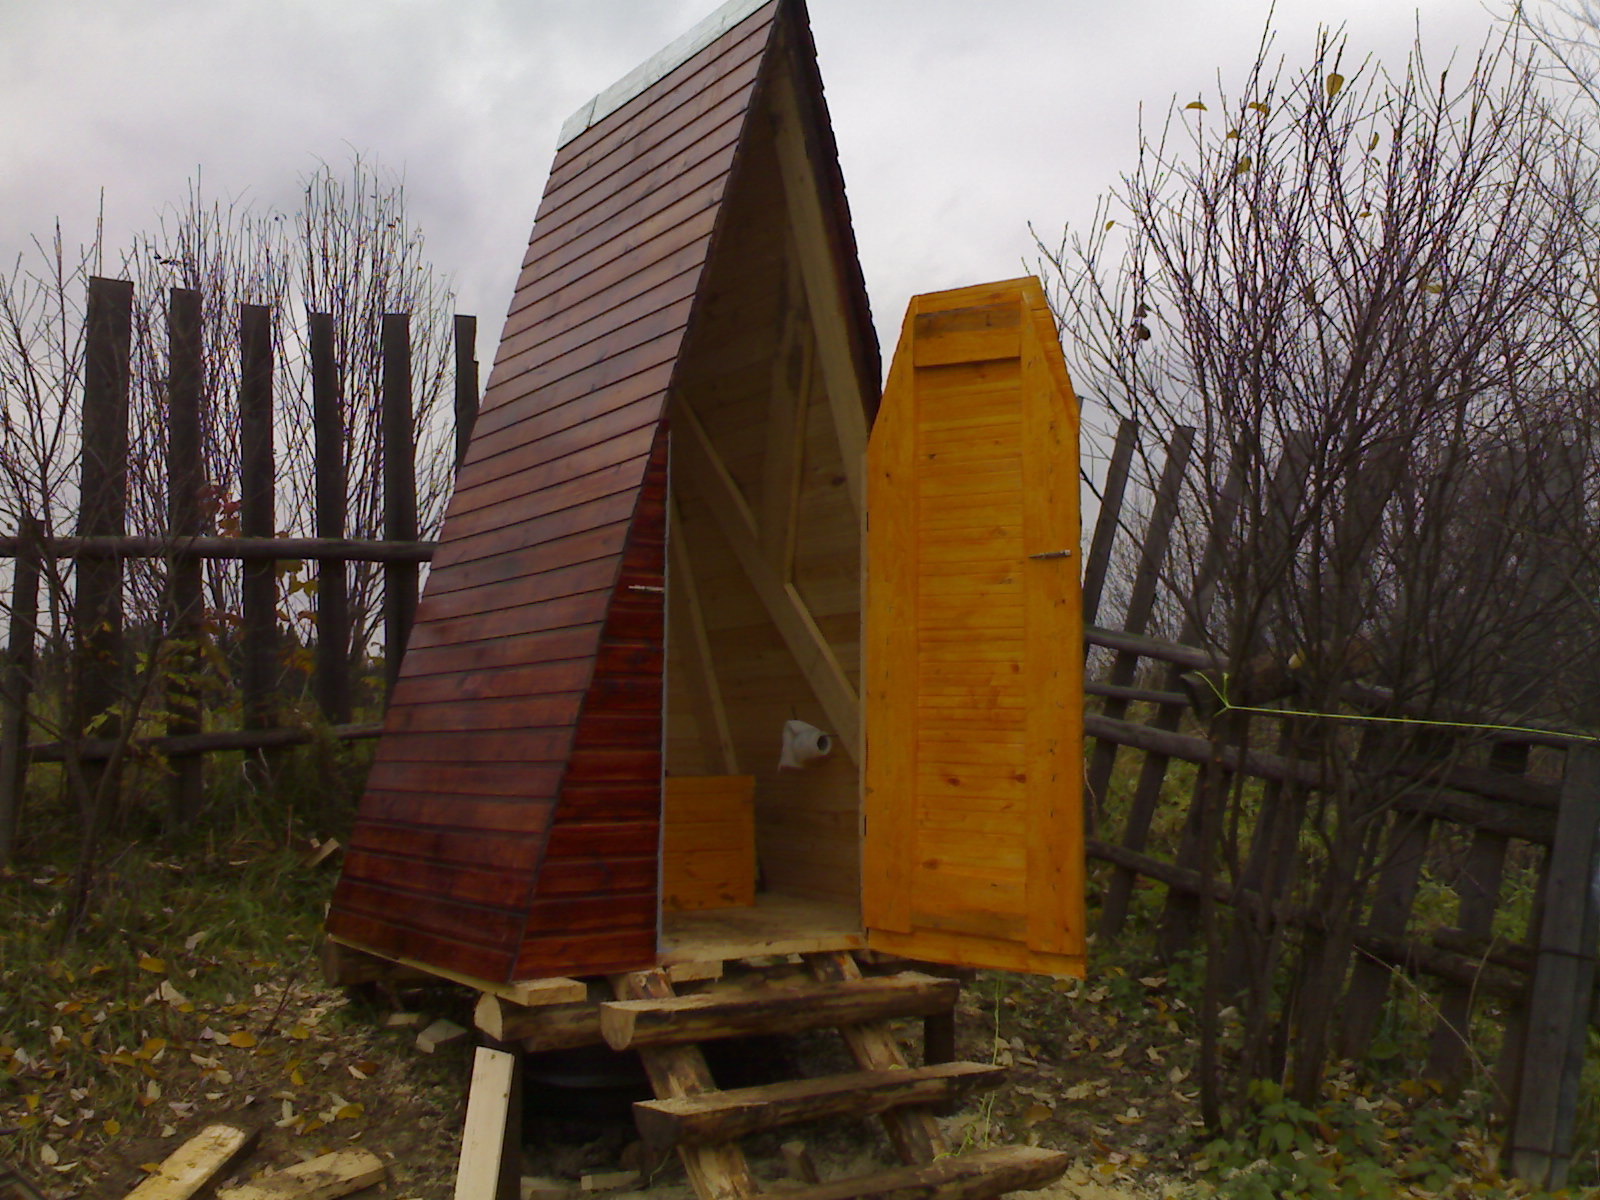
(1544, 983)
(101, 544)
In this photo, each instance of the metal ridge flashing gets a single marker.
(657, 67)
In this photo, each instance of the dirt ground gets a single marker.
(324, 1070)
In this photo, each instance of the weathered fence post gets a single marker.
(333, 590)
(1478, 894)
(1540, 1142)
(103, 504)
(256, 519)
(1224, 511)
(16, 684)
(185, 520)
(1098, 561)
(466, 330)
(1141, 603)
(399, 493)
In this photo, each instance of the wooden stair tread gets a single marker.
(977, 1176)
(706, 1016)
(719, 1116)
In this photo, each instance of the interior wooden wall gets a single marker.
(753, 382)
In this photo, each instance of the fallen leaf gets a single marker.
(154, 965)
(169, 994)
(1035, 1113)
(48, 1155)
(242, 1039)
(112, 1127)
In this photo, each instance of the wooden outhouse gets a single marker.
(671, 556)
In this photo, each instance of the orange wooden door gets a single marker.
(974, 673)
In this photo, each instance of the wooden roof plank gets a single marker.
(670, 60)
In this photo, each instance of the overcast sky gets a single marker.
(959, 122)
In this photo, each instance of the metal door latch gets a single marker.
(1053, 554)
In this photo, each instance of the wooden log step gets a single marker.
(707, 1016)
(722, 1116)
(977, 1176)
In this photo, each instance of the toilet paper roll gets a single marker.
(802, 743)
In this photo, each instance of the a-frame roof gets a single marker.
(517, 781)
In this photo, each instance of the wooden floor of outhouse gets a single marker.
(776, 924)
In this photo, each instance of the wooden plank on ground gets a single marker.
(194, 1164)
(320, 1178)
(483, 1140)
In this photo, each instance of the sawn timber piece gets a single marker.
(717, 1172)
(976, 1176)
(674, 1020)
(720, 1116)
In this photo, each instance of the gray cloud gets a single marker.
(957, 123)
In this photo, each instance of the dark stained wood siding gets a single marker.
(511, 821)
(598, 879)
